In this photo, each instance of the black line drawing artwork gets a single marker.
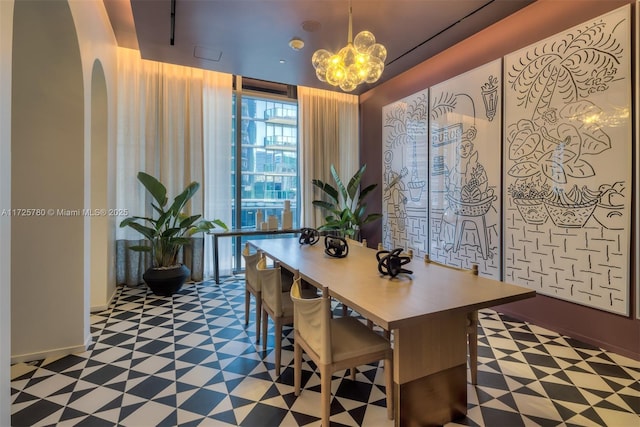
(463, 209)
(404, 173)
(548, 148)
(566, 173)
(490, 97)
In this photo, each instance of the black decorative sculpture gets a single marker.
(336, 247)
(391, 262)
(309, 236)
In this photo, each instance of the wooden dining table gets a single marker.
(426, 310)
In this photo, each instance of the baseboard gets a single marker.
(55, 354)
(99, 308)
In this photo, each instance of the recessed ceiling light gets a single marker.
(296, 43)
(282, 61)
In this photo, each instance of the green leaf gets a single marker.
(354, 182)
(347, 213)
(188, 221)
(140, 248)
(221, 224)
(364, 193)
(371, 218)
(162, 220)
(154, 187)
(147, 232)
(181, 241)
(328, 189)
(157, 208)
(181, 199)
(326, 205)
(127, 221)
(339, 183)
(171, 232)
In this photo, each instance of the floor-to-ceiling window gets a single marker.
(264, 171)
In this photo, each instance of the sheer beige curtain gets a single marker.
(217, 108)
(328, 129)
(165, 116)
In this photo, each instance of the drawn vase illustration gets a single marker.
(415, 190)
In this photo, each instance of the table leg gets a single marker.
(430, 380)
(216, 271)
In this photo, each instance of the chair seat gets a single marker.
(334, 344)
(351, 338)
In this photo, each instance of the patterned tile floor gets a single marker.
(188, 360)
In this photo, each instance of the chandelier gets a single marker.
(360, 61)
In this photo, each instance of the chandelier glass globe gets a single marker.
(360, 61)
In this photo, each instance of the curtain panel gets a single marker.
(174, 123)
(328, 134)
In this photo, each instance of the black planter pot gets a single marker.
(166, 281)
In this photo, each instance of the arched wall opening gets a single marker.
(47, 176)
(98, 259)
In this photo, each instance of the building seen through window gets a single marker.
(266, 174)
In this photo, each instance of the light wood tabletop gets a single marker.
(426, 311)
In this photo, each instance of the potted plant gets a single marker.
(346, 206)
(167, 233)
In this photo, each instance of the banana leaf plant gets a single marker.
(346, 208)
(172, 228)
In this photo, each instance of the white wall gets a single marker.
(6, 30)
(47, 173)
(98, 52)
(56, 46)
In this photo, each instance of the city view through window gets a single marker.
(268, 175)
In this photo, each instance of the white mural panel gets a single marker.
(464, 163)
(567, 181)
(404, 173)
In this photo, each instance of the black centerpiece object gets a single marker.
(309, 236)
(391, 262)
(336, 247)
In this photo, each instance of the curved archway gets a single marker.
(47, 175)
(99, 224)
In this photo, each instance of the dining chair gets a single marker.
(334, 344)
(252, 287)
(276, 304)
(472, 323)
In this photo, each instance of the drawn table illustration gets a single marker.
(465, 126)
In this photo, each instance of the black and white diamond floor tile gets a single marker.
(189, 361)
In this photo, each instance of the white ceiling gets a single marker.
(251, 37)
